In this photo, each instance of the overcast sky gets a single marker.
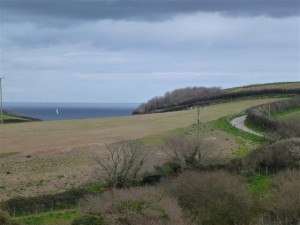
(133, 50)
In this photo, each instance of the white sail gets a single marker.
(56, 111)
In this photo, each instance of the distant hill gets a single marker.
(185, 98)
(11, 117)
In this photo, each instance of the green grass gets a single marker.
(283, 85)
(241, 137)
(287, 113)
(10, 117)
(53, 218)
(242, 150)
(224, 124)
(7, 154)
(259, 184)
(249, 124)
(96, 187)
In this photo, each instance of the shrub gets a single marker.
(278, 156)
(213, 197)
(6, 220)
(120, 163)
(187, 152)
(135, 206)
(169, 169)
(284, 200)
(151, 178)
(289, 128)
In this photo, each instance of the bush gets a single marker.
(289, 128)
(213, 197)
(6, 220)
(120, 163)
(136, 206)
(88, 220)
(169, 169)
(278, 156)
(187, 152)
(284, 200)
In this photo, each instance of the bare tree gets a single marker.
(188, 151)
(120, 162)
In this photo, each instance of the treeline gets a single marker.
(185, 98)
(177, 98)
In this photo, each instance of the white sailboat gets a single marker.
(56, 111)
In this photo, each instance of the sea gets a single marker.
(69, 111)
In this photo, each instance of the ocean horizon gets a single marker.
(69, 111)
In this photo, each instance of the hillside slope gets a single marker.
(185, 98)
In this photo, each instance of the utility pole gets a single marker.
(198, 120)
(1, 110)
(269, 107)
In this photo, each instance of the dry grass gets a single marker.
(53, 156)
(59, 136)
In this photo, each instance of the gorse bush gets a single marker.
(213, 197)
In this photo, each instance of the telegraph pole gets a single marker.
(1, 110)
(198, 120)
(269, 107)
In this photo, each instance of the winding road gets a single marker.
(239, 123)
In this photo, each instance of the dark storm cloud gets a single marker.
(144, 9)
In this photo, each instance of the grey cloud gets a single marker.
(197, 31)
(142, 9)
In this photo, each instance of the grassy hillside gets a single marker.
(53, 156)
(59, 156)
(10, 117)
(185, 98)
(256, 87)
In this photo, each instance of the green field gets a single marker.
(287, 114)
(281, 85)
